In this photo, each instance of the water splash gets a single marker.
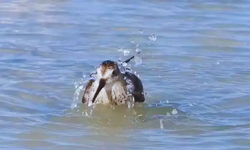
(93, 74)
(131, 103)
(152, 37)
(174, 112)
(137, 50)
(122, 66)
(161, 124)
(137, 60)
(120, 49)
(141, 31)
(126, 52)
(79, 86)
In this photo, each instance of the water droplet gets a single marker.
(161, 124)
(152, 37)
(124, 64)
(76, 84)
(73, 105)
(126, 52)
(140, 31)
(132, 41)
(134, 112)
(89, 104)
(218, 63)
(174, 112)
(167, 101)
(137, 60)
(129, 70)
(91, 112)
(128, 104)
(120, 49)
(138, 50)
(191, 105)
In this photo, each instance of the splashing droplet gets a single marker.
(79, 86)
(152, 37)
(138, 50)
(73, 105)
(93, 74)
(90, 104)
(120, 49)
(137, 60)
(124, 64)
(161, 124)
(126, 52)
(140, 31)
(174, 112)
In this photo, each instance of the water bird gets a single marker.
(111, 86)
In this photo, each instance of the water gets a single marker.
(194, 65)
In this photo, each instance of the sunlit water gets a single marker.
(194, 64)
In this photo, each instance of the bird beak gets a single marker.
(102, 83)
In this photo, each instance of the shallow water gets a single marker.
(195, 71)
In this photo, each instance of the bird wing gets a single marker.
(87, 95)
(134, 86)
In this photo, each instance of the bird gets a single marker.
(111, 86)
